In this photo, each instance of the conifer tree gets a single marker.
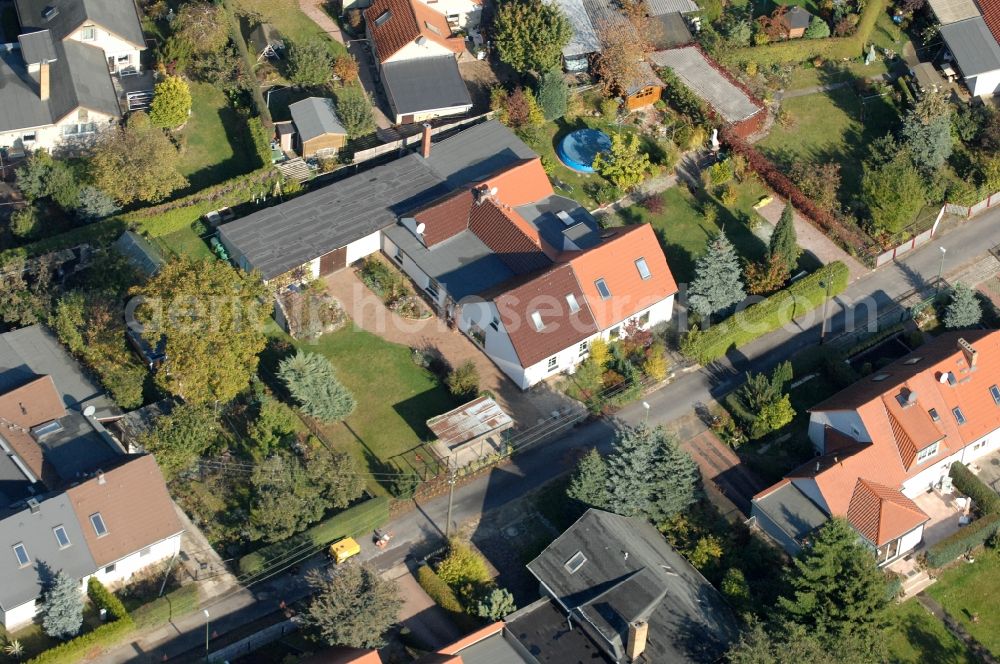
(717, 284)
(62, 607)
(589, 483)
(964, 309)
(836, 588)
(313, 383)
(649, 475)
(784, 243)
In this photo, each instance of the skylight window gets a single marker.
(98, 522)
(61, 537)
(574, 306)
(383, 17)
(913, 360)
(574, 564)
(602, 288)
(43, 430)
(959, 415)
(995, 393)
(432, 28)
(643, 269)
(536, 318)
(879, 377)
(22, 555)
(934, 414)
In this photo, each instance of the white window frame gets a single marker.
(584, 348)
(88, 33)
(571, 301)
(643, 268)
(55, 533)
(27, 558)
(553, 363)
(96, 518)
(928, 452)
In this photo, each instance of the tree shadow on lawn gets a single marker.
(416, 410)
(243, 159)
(929, 645)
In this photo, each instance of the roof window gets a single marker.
(879, 377)
(432, 28)
(97, 521)
(602, 288)
(383, 17)
(643, 269)
(913, 360)
(934, 415)
(43, 430)
(61, 537)
(574, 306)
(50, 12)
(536, 318)
(22, 555)
(995, 393)
(574, 564)
(959, 415)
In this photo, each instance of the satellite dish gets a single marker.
(493, 191)
(421, 227)
(421, 40)
(89, 411)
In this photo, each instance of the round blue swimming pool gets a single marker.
(578, 149)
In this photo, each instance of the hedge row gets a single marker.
(352, 522)
(800, 50)
(155, 221)
(973, 535)
(96, 640)
(985, 498)
(766, 316)
(445, 597)
(850, 238)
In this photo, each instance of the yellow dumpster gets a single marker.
(763, 202)
(344, 549)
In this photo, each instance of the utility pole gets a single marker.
(205, 611)
(822, 323)
(451, 497)
(937, 288)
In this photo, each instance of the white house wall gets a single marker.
(937, 470)
(846, 421)
(985, 84)
(911, 539)
(434, 113)
(418, 276)
(415, 51)
(466, 12)
(498, 346)
(49, 137)
(135, 562)
(366, 246)
(18, 616)
(112, 45)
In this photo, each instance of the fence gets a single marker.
(917, 240)
(254, 641)
(406, 141)
(968, 212)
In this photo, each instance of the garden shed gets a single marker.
(317, 128)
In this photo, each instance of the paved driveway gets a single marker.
(426, 620)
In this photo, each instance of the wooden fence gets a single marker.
(406, 141)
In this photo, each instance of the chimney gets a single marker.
(425, 145)
(636, 645)
(100, 477)
(969, 352)
(43, 81)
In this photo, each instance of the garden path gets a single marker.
(370, 314)
(813, 240)
(956, 628)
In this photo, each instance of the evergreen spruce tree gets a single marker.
(675, 479)
(313, 383)
(553, 95)
(649, 475)
(589, 483)
(836, 588)
(784, 243)
(964, 309)
(717, 283)
(62, 607)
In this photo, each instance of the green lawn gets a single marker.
(216, 145)
(395, 399)
(968, 590)
(185, 242)
(684, 232)
(915, 636)
(807, 76)
(828, 127)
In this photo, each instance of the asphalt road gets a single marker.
(532, 468)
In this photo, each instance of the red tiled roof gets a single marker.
(32, 404)
(408, 20)
(134, 505)
(614, 261)
(525, 182)
(445, 217)
(881, 514)
(515, 241)
(990, 10)
(545, 294)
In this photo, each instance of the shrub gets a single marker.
(171, 103)
(985, 498)
(463, 382)
(354, 111)
(89, 644)
(312, 381)
(383, 280)
(653, 204)
(310, 62)
(496, 605)
(463, 565)
(438, 590)
(683, 100)
(24, 222)
(966, 539)
(770, 314)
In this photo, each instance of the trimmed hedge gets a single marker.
(155, 221)
(163, 609)
(985, 498)
(800, 50)
(973, 535)
(352, 522)
(757, 320)
(87, 645)
(445, 597)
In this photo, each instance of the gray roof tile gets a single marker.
(974, 47)
(117, 16)
(314, 117)
(424, 84)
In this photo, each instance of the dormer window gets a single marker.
(927, 453)
(602, 289)
(574, 306)
(536, 319)
(643, 269)
(495, 323)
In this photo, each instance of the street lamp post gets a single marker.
(205, 611)
(822, 323)
(940, 269)
(645, 404)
